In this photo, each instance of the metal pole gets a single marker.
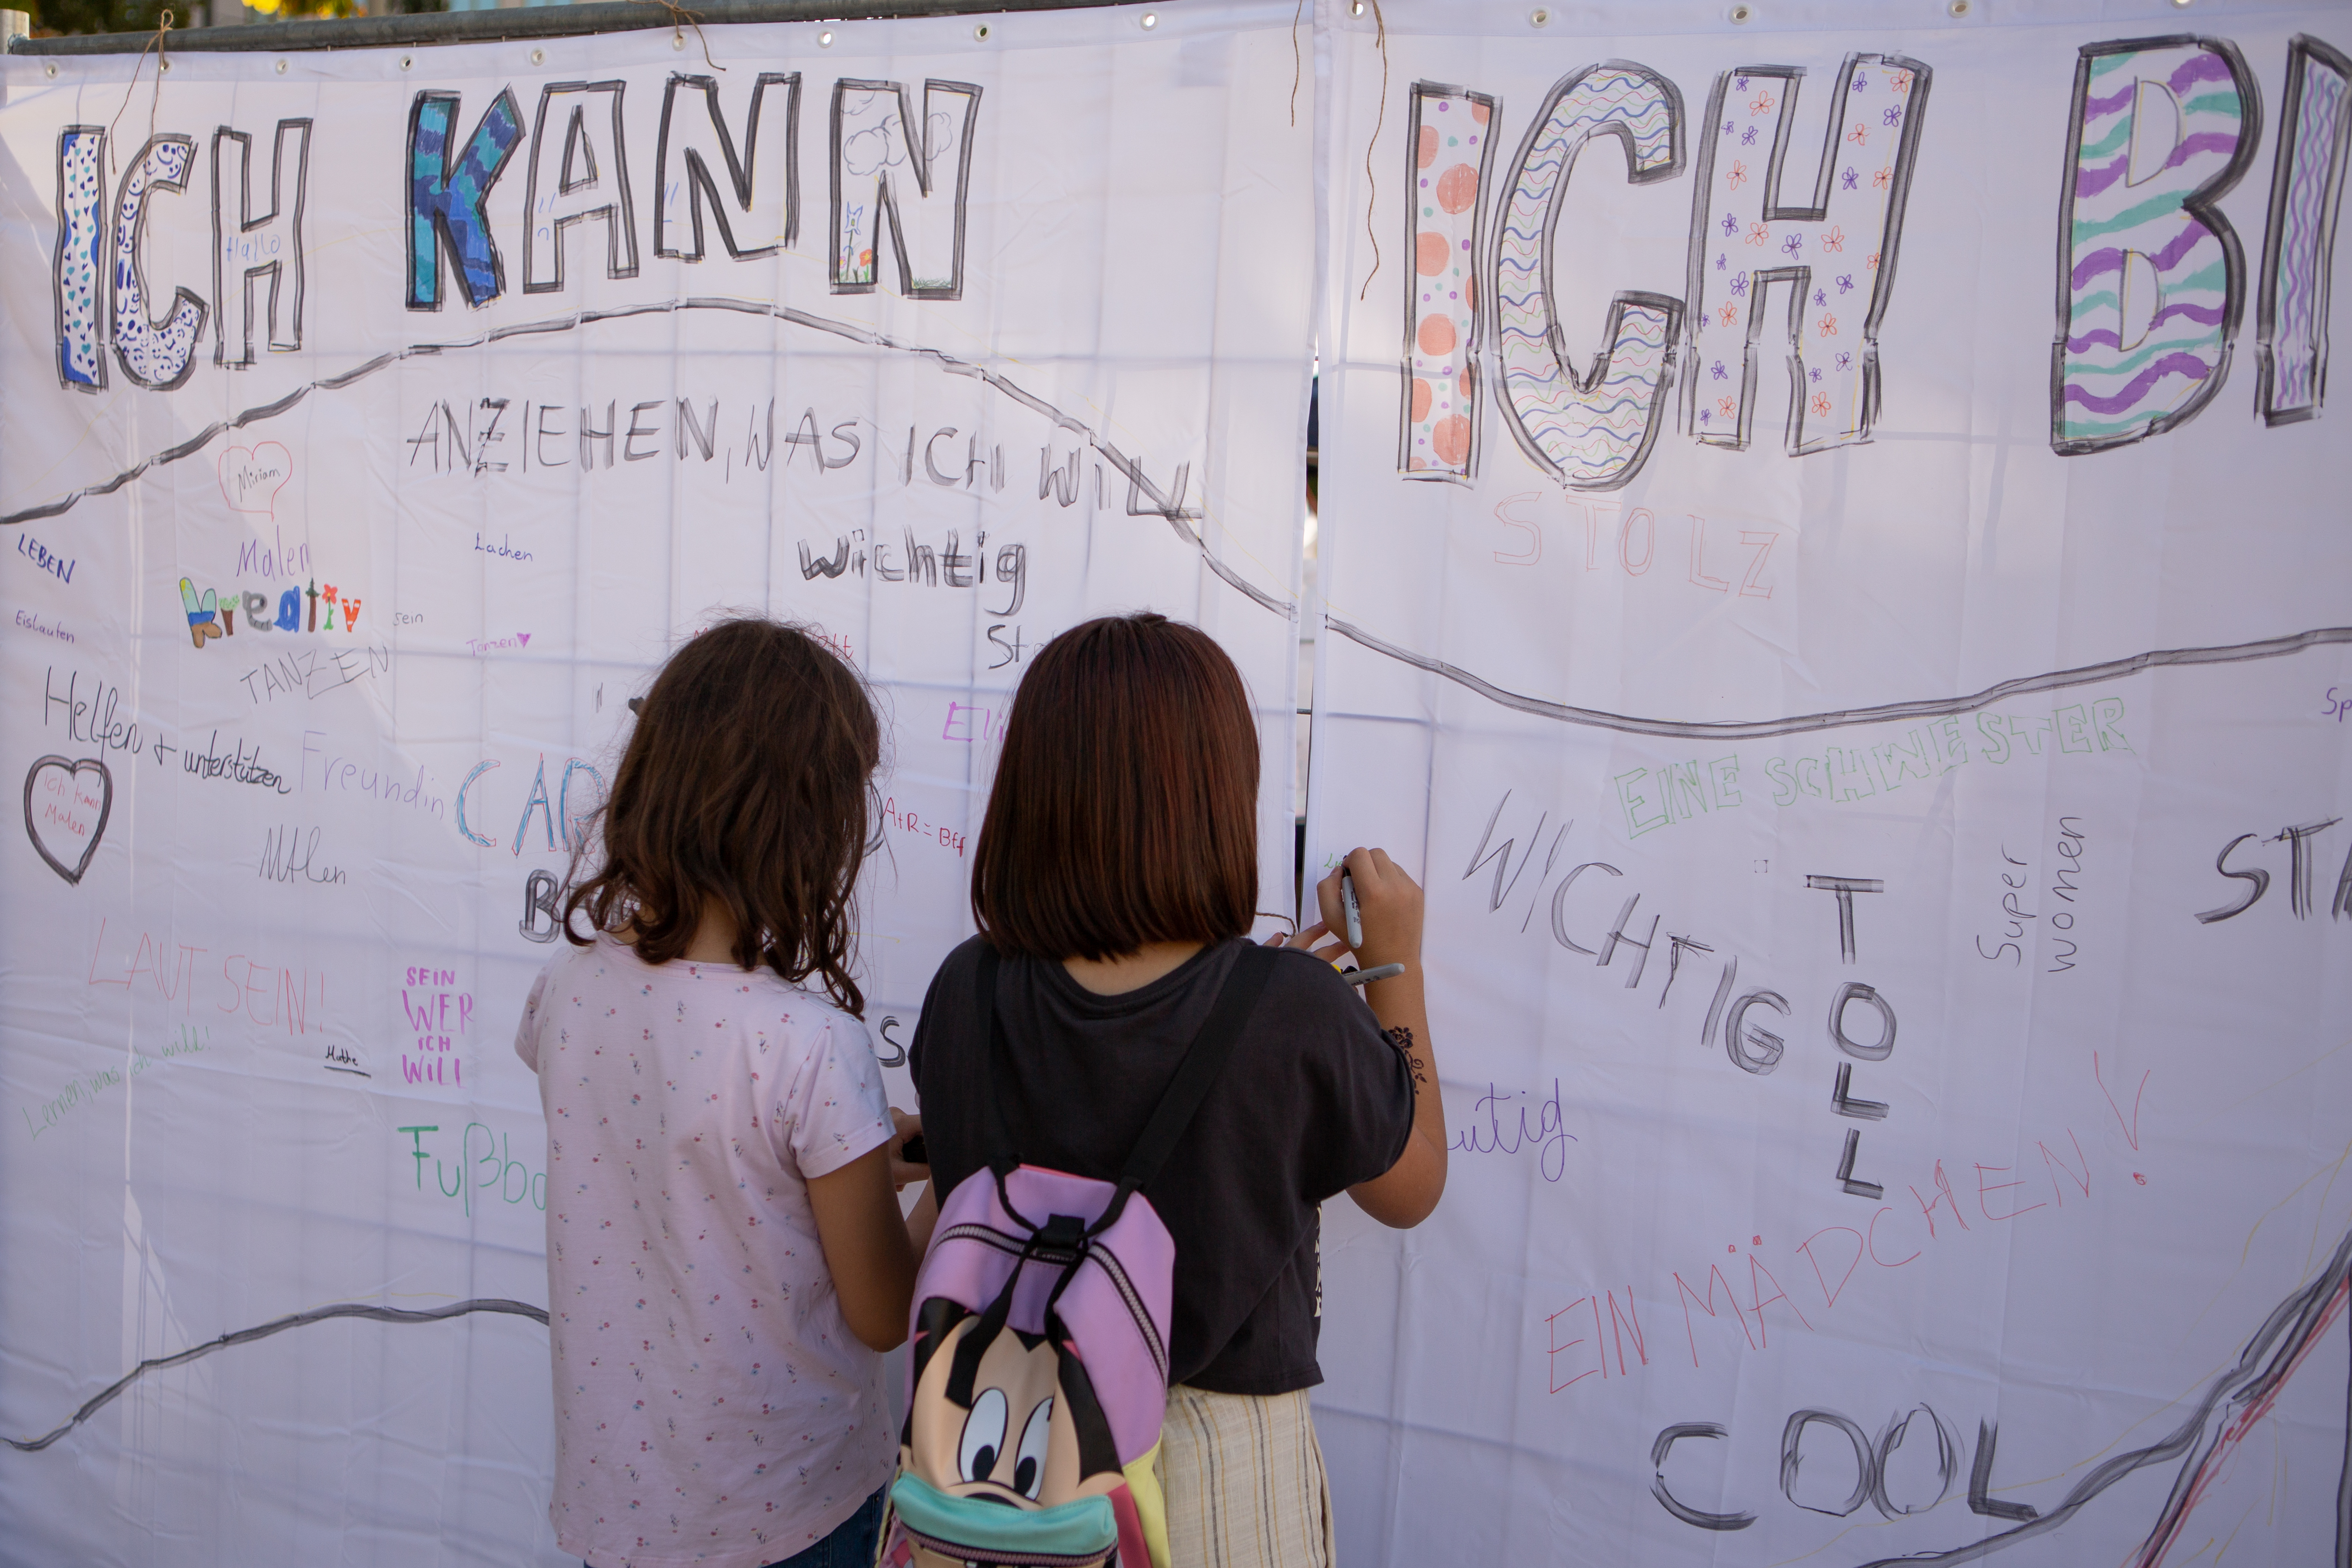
(15, 27)
(521, 22)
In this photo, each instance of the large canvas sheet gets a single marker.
(1835, 575)
(372, 423)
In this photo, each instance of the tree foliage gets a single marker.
(52, 17)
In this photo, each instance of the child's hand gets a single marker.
(1315, 939)
(1388, 906)
(905, 1128)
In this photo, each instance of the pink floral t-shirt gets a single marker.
(712, 1407)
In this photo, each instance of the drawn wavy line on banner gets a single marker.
(1594, 433)
(1847, 718)
(2210, 315)
(1128, 468)
(2298, 283)
(279, 1326)
(2179, 354)
(2233, 1402)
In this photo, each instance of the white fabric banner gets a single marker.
(372, 423)
(1835, 569)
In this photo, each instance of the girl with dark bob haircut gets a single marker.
(1125, 810)
(1116, 876)
(725, 1255)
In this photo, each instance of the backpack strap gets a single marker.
(1204, 1061)
(996, 1143)
(1060, 1233)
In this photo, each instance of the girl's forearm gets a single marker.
(1410, 1190)
(920, 1219)
(1403, 1008)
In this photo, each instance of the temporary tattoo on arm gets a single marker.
(1402, 1038)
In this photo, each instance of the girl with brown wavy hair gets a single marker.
(725, 1254)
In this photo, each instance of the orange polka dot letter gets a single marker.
(1447, 157)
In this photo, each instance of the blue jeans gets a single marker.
(851, 1545)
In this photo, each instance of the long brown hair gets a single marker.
(1125, 808)
(746, 782)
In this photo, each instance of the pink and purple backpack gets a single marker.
(1037, 1367)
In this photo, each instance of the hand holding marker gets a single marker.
(1356, 937)
(1397, 927)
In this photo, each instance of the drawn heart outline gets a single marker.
(105, 809)
(246, 470)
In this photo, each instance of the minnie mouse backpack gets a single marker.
(1037, 1367)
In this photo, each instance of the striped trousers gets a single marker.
(1243, 1480)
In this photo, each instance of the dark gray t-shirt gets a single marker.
(1313, 1102)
